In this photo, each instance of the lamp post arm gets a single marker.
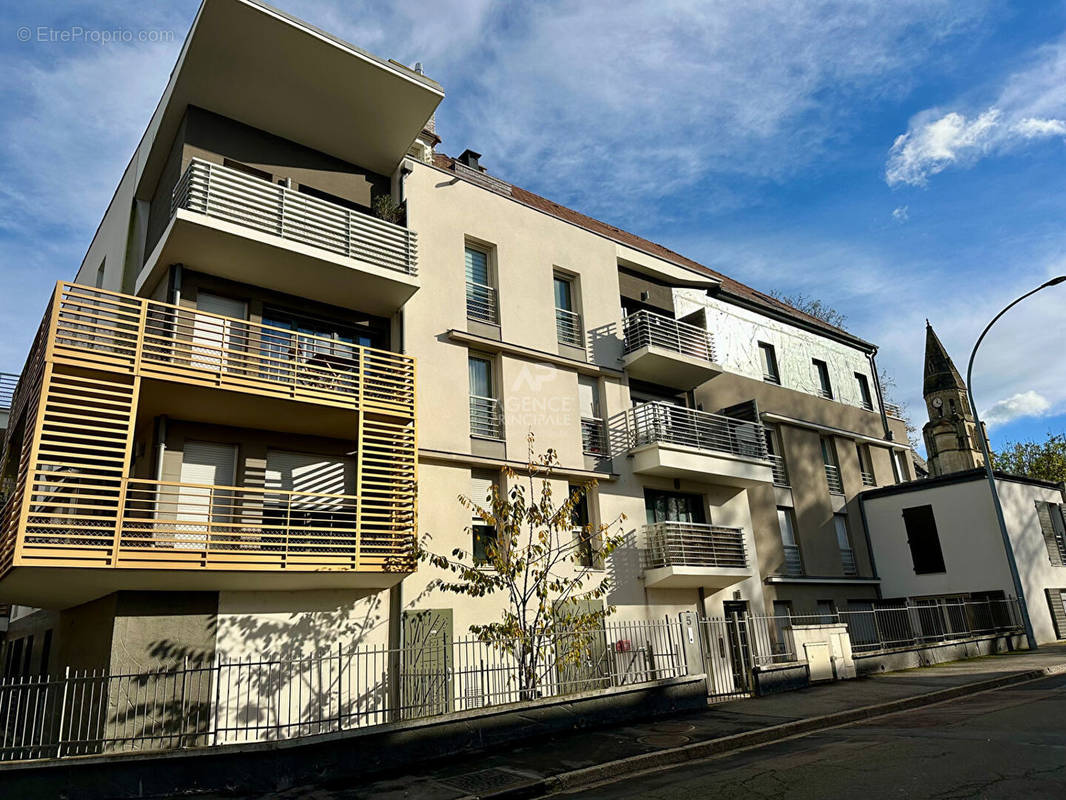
(1012, 563)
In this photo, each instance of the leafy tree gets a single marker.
(541, 563)
(1045, 461)
(813, 306)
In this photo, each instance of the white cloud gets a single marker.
(1031, 106)
(1023, 404)
(901, 214)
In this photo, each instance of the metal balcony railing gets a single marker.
(645, 329)
(691, 544)
(486, 420)
(568, 327)
(593, 436)
(893, 410)
(793, 561)
(234, 196)
(832, 477)
(847, 561)
(780, 471)
(664, 423)
(8, 382)
(868, 479)
(481, 303)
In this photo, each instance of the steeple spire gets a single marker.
(940, 372)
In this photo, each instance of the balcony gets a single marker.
(593, 437)
(481, 303)
(676, 442)
(247, 229)
(662, 350)
(894, 411)
(568, 328)
(78, 525)
(7, 395)
(688, 555)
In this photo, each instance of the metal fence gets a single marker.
(832, 478)
(659, 422)
(593, 437)
(780, 470)
(645, 329)
(916, 623)
(201, 705)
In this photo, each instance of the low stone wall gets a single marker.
(348, 755)
(777, 678)
(924, 656)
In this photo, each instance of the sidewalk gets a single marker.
(593, 756)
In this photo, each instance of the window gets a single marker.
(1056, 601)
(100, 274)
(1053, 527)
(847, 554)
(832, 471)
(786, 522)
(923, 540)
(826, 611)
(825, 388)
(768, 357)
(247, 170)
(485, 418)
(481, 300)
(567, 320)
(777, 460)
(898, 472)
(865, 465)
(583, 534)
(483, 535)
(865, 398)
(593, 432)
(673, 507)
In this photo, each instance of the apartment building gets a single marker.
(212, 449)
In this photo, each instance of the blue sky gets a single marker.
(898, 160)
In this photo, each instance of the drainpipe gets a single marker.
(160, 445)
(174, 290)
(872, 355)
(395, 643)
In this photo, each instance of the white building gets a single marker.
(939, 538)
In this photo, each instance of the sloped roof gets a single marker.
(728, 285)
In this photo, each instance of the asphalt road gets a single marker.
(1009, 743)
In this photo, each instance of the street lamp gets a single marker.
(1018, 590)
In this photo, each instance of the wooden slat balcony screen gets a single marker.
(73, 502)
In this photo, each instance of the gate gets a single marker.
(726, 646)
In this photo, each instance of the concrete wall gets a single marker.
(970, 540)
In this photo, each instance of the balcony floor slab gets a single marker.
(247, 255)
(706, 466)
(685, 577)
(669, 368)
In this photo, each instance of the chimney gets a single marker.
(470, 159)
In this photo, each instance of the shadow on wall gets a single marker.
(624, 570)
(605, 344)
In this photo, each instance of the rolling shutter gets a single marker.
(1058, 611)
(309, 472)
(1053, 538)
(206, 464)
(481, 484)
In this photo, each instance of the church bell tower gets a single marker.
(951, 441)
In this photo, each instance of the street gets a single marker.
(1003, 744)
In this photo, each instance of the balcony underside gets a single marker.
(250, 256)
(668, 368)
(685, 577)
(65, 586)
(690, 463)
(251, 63)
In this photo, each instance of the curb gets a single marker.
(649, 762)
